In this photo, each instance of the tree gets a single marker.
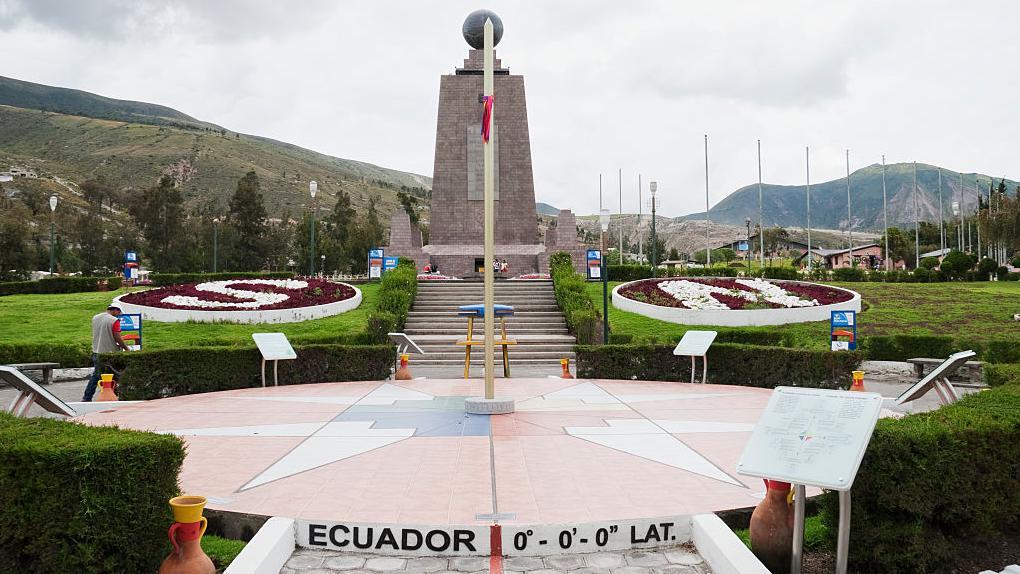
(660, 248)
(775, 238)
(930, 262)
(956, 263)
(159, 215)
(674, 255)
(247, 215)
(410, 205)
(15, 254)
(901, 248)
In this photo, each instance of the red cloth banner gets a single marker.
(487, 103)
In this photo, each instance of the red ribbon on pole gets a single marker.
(487, 103)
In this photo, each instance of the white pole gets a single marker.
(959, 234)
(490, 220)
(640, 212)
(849, 217)
(761, 228)
(619, 179)
(917, 224)
(942, 236)
(807, 167)
(708, 212)
(885, 215)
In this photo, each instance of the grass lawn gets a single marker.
(977, 311)
(66, 318)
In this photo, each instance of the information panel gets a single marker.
(843, 330)
(594, 260)
(811, 436)
(375, 263)
(274, 346)
(131, 330)
(389, 263)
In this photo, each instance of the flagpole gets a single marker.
(490, 219)
(708, 211)
(807, 167)
(917, 224)
(942, 236)
(640, 213)
(885, 215)
(619, 179)
(761, 227)
(849, 217)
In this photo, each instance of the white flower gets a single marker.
(775, 294)
(257, 299)
(699, 295)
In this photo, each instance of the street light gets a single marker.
(653, 186)
(747, 254)
(313, 187)
(215, 243)
(322, 265)
(604, 223)
(959, 229)
(53, 208)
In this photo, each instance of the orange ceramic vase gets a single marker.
(106, 389)
(772, 528)
(565, 363)
(185, 534)
(404, 372)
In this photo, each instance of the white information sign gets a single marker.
(274, 346)
(30, 393)
(812, 437)
(695, 343)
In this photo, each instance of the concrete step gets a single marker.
(447, 307)
(453, 330)
(438, 318)
(517, 356)
(521, 339)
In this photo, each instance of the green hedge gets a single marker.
(175, 278)
(579, 310)
(63, 284)
(67, 354)
(903, 347)
(75, 498)
(729, 364)
(932, 483)
(997, 375)
(166, 373)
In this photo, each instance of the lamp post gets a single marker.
(747, 253)
(215, 243)
(322, 265)
(53, 244)
(959, 227)
(652, 187)
(313, 188)
(604, 223)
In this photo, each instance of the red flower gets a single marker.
(318, 292)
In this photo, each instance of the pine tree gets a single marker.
(159, 214)
(247, 215)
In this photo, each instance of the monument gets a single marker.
(457, 209)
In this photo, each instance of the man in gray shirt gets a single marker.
(105, 339)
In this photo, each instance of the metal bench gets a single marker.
(972, 371)
(46, 368)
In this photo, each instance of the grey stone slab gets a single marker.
(546, 571)
(681, 556)
(631, 570)
(565, 562)
(385, 564)
(590, 570)
(305, 561)
(644, 558)
(525, 563)
(469, 564)
(426, 565)
(345, 562)
(676, 569)
(605, 559)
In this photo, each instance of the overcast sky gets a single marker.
(632, 85)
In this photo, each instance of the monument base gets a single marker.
(483, 406)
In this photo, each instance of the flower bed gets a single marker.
(436, 277)
(243, 301)
(532, 277)
(733, 301)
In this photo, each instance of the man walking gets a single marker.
(105, 339)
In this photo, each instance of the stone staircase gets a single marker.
(537, 324)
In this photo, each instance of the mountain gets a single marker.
(73, 136)
(546, 209)
(786, 205)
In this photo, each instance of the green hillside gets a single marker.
(786, 205)
(77, 136)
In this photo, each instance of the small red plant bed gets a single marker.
(731, 293)
(243, 295)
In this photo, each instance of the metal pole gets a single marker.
(605, 294)
(311, 231)
(708, 211)
(849, 216)
(747, 255)
(640, 208)
(917, 224)
(490, 219)
(843, 542)
(977, 214)
(885, 215)
(655, 242)
(52, 243)
(619, 227)
(215, 245)
(807, 165)
(797, 554)
(959, 232)
(942, 236)
(761, 227)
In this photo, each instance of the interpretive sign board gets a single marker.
(938, 379)
(843, 330)
(274, 347)
(131, 330)
(811, 436)
(375, 263)
(695, 344)
(30, 393)
(389, 263)
(594, 260)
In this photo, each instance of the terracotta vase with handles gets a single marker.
(185, 534)
(772, 527)
(106, 392)
(404, 372)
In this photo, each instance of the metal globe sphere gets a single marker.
(474, 32)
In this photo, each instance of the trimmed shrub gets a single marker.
(849, 274)
(903, 347)
(930, 263)
(997, 375)
(175, 278)
(706, 272)
(397, 290)
(63, 284)
(67, 354)
(579, 310)
(744, 365)
(156, 374)
(788, 273)
(628, 272)
(931, 483)
(76, 498)
(1002, 351)
(922, 275)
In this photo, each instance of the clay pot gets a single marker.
(403, 373)
(106, 392)
(185, 534)
(772, 528)
(565, 363)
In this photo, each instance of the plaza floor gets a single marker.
(405, 452)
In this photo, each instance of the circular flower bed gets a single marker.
(243, 301)
(733, 302)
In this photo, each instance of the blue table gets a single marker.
(478, 310)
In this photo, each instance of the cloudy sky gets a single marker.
(632, 85)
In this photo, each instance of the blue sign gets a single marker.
(843, 330)
(844, 318)
(389, 263)
(594, 263)
(130, 256)
(375, 253)
(131, 330)
(742, 246)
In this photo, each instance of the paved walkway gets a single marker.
(679, 560)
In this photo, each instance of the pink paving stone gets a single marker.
(543, 473)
